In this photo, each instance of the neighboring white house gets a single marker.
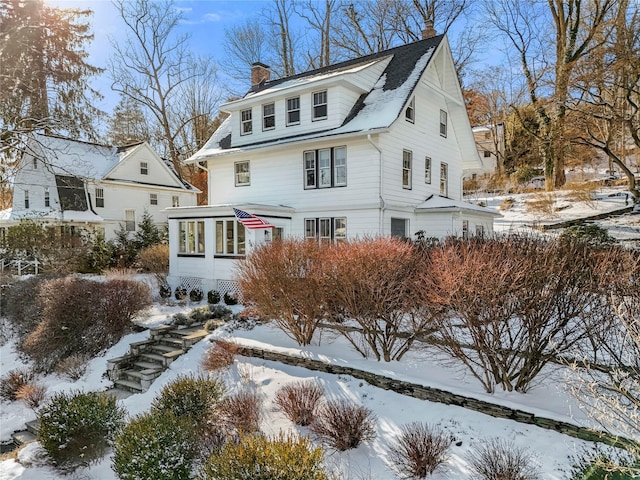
(77, 185)
(490, 142)
(371, 146)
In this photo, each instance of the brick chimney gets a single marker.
(428, 31)
(260, 73)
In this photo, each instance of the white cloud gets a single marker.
(212, 17)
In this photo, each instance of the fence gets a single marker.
(19, 267)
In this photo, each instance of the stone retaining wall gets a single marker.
(436, 395)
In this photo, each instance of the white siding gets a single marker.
(277, 178)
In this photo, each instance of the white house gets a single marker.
(77, 185)
(490, 142)
(371, 146)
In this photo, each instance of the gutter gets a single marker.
(380, 186)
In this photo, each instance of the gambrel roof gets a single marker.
(376, 109)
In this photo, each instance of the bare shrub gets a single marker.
(299, 400)
(496, 459)
(32, 394)
(420, 450)
(608, 389)
(515, 303)
(154, 259)
(83, 316)
(241, 413)
(220, 355)
(376, 284)
(12, 382)
(343, 425)
(73, 367)
(285, 281)
(21, 305)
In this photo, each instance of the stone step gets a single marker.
(186, 331)
(128, 385)
(176, 342)
(33, 426)
(165, 349)
(23, 437)
(152, 357)
(143, 365)
(146, 374)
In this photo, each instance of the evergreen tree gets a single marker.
(128, 123)
(44, 79)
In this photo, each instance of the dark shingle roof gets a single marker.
(401, 65)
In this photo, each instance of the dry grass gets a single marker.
(542, 205)
(584, 192)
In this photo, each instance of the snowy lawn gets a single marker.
(553, 451)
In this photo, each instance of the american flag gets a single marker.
(251, 221)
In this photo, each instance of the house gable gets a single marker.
(141, 165)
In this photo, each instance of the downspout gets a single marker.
(380, 186)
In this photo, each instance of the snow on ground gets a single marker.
(553, 451)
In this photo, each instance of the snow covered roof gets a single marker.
(75, 158)
(374, 110)
(436, 203)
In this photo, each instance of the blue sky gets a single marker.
(205, 21)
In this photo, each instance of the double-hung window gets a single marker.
(443, 123)
(268, 116)
(153, 199)
(99, 197)
(47, 197)
(407, 160)
(246, 122)
(230, 238)
(326, 229)
(191, 239)
(427, 169)
(444, 179)
(130, 220)
(319, 105)
(325, 168)
(175, 200)
(144, 168)
(293, 111)
(26, 199)
(242, 173)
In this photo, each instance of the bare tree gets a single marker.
(245, 44)
(319, 17)
(577, 30)
(153, 67)
(608, 100)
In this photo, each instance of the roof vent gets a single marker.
(260, 73)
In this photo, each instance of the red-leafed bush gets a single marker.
(299, 400)
(285, 281)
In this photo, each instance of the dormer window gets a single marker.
(144, 168)
(293, 111)
(246, 123)
(320, 105)
(410, 112)
(268, 116)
